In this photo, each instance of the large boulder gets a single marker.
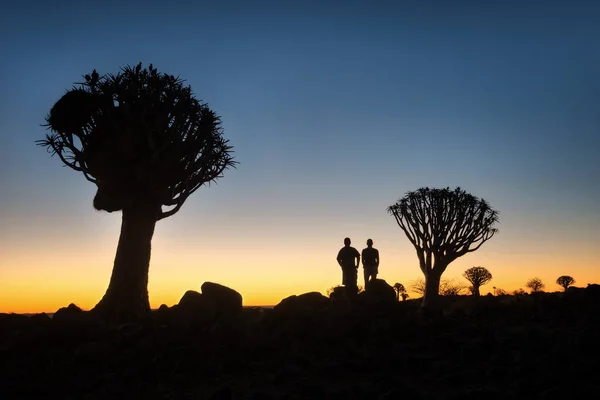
(339, 295)
(69, 313)
(14, 321)
(227, 301)
(379, 293)
(193, 310)
(592, 292)
(41, 319)
(303, 305)
(163, 308)
(190, 299)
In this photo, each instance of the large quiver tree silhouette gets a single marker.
(148, 144)
(442, 225)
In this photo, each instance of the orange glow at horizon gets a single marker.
(49, 261)
(45, 280)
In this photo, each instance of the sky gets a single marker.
(335, 111)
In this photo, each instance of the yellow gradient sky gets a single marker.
(51, 265)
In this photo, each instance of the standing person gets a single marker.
(370, 261)
(349, 259)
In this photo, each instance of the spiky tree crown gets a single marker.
(142, 131)
(445, 223)
(478, 276)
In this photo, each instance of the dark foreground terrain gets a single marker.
(310, 347)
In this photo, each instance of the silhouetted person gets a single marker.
(349, 259)
(370, 261)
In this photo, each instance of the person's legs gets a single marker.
(366, 275)
(349, 282)
(353, 282)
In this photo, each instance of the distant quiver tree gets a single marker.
(147, 144)
(477, 276)
(565, 281)
(399, 289)
(442, 225)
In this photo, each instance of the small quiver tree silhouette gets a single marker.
(400, 289)
(477, 276)
(565, 281)
(535, 285)
(146, 142)
(442, 225)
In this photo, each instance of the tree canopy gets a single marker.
(444, 224)
(138, 133)
(565, 281)
(477, 276)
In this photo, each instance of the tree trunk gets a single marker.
(432, 289)
(126, 298)
(476, 293)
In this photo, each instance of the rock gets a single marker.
(574, 294)
(193, 310)
(305, 304)
(163, 308)
(190, 299)
(226, 300)
(592, 292)
(41, 318)
(575, 289)
(69, 313)
(379, 293)
(339, 295)
(9, 322)
(161, 315)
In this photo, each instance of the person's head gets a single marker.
(369, 242)
(347, 241)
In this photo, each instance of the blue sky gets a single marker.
(335, 110)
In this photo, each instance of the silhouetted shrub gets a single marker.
(535, 285)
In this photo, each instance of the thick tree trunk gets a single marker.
(432, 289)
(476, 293)
(126, 298)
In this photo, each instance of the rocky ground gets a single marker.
(310, 347)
